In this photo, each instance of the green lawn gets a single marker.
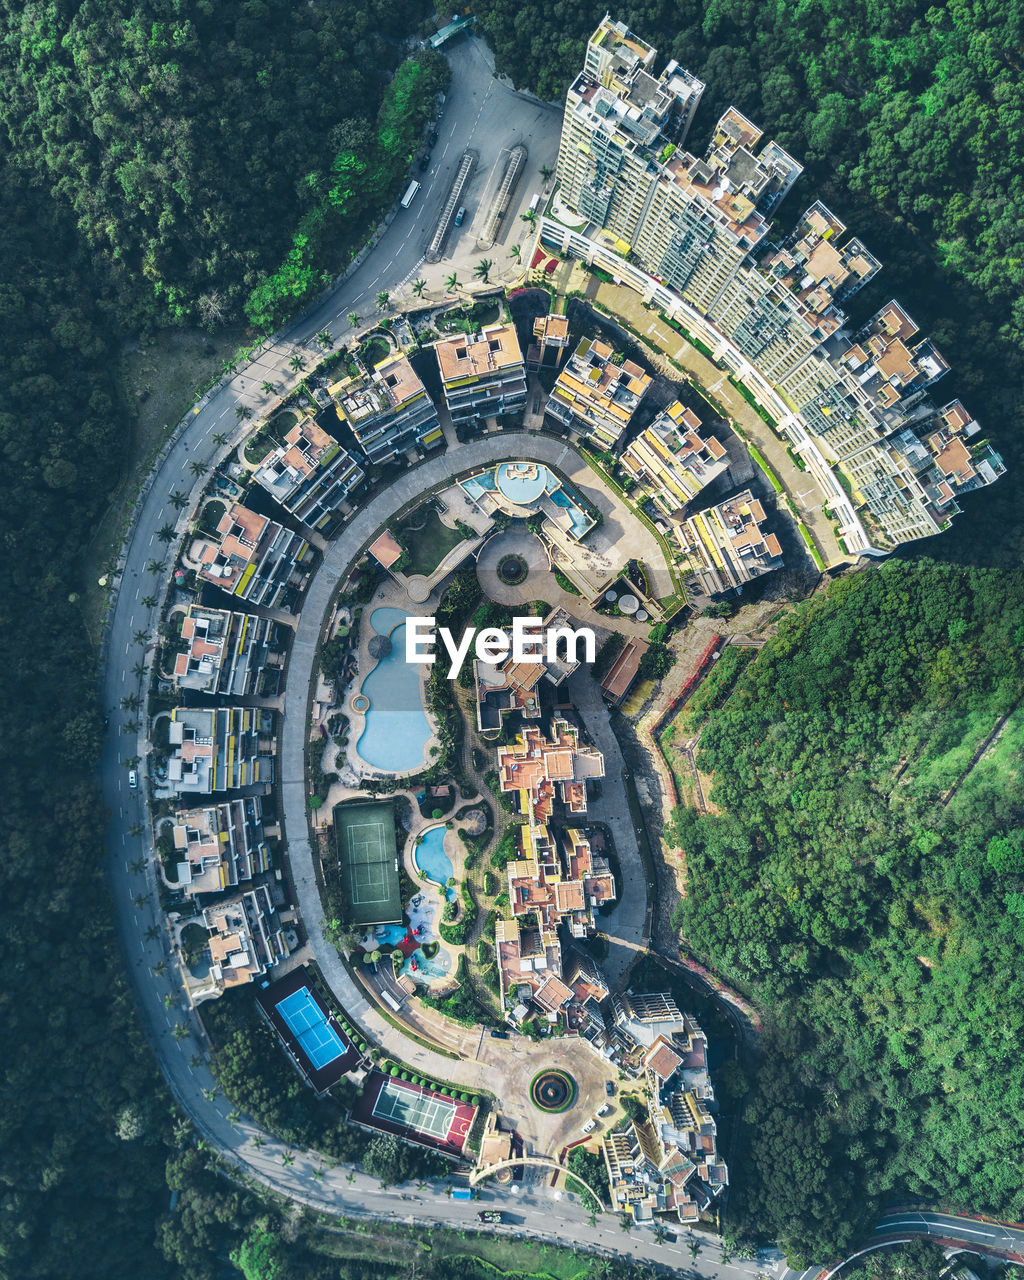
(426, 540)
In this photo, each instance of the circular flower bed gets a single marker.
(512, 570)
(552, 1090)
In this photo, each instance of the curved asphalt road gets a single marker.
(175, 1037)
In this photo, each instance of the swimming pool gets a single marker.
(396, 727)
(435, 968)
(430, 858)
(581, 522)
(521, 482)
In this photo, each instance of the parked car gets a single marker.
(603, 1111)
(460, 216)
(425, 162)
(133, 778)
(432, 140)
(670, 1237)
(500, 1035)
(590, 1126)
(609, 1088)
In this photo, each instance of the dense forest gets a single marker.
(865, 881)
(909, 120)
(189, 139)
(84, 1123)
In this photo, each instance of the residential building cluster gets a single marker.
(483, 375)
(255, 558)
(224, 653)
(559, 880)
(509, 686)
(215, 749)
(310, 474)
(246, 938)
(387, 409)
(220, 845)
(597, 393)
(853, 402)
(729, 544)
(664, 1165)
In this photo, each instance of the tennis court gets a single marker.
(368, 857)
(415, 1110)
(305, 1020)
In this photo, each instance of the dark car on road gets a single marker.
(500, 1035)
(432, 140)
(425, 162)
(460, 216)
(490, 1215)
(609, 1088)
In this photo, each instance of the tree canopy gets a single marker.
(864, 880)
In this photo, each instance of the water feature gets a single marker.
(437, 967)
(397, 729)
(581, 522)
(431, 859)
(522, 482)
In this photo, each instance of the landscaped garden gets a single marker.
(426, 541)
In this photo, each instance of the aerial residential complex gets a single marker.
(220, 846)
(597, 393)
(219, 749)
(225, 652)
(483, 374)
(255, 558)
(728, 545)
(310, 474)
(666, 1162)
(691, 235)
(387, 409)
(246, 939)
(671, 462)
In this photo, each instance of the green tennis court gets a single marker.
(409, 1107)
(368, 860)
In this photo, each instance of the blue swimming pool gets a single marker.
(396, 727)
(435, 968)
(392, 934)
(431, 859)
(522, 482)
(581, 522)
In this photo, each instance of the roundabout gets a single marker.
(552, 1090)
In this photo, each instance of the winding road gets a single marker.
(477, 113)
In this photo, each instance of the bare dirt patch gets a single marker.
(158, 383)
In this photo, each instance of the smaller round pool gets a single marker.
(432, 861)
(522, 482)
(360, 703)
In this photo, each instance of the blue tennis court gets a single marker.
(305, 1020)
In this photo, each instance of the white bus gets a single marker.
(410, 194)
(534, 203)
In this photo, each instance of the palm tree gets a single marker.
(383, 300)
(257, 1141)
(287, 1158)
(482, 269)
(229, 366)
(267, 388)
(546, 171)
(198, 467)
(516, 252)
(659, 1233)
(149, 602)
(178, 500)
(130, 702)
(137, 866)
(195, 1061)
(233, 1117)
(296, 363)
(141, 637)
(159, 969)
(152, 933)
(626, 1222)
(180, 1031)
(351, 1177)
(452, 282)
(318, 1174)
(220, 439)
(166, 533)
(156, 566)
(530, 217)
(130, 726)
(418, 286)
(242, 412)
(168, 1001)
(210, 1094)
(353, 319)
(135, 829)
(325, 339)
